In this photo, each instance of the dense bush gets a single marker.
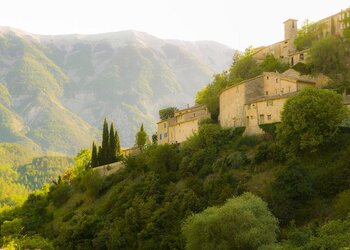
(241, 223)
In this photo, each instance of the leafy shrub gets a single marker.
(60, 193)
(241, 223)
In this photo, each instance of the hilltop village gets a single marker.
(259, 100)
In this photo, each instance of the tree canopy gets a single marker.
(241, 223)
(310, 119)
(167, 113)
(141, 137)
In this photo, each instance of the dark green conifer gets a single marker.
(117, 143)
(112, 155)
(94, 156)
(99, 156)
(105, 144)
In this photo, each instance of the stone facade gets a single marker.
(184, 124)
(259, 100)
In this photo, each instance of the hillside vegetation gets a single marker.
(145, 205)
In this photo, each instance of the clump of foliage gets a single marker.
(310, 119)
(167, 113)
(307, 34)
(328, 56)
(141, 137)
(243, 222)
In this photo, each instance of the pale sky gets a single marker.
(237, 24)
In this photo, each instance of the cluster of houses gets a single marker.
(259, 100)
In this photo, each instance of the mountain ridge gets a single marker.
(71, 82)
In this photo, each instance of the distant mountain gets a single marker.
(56, 90)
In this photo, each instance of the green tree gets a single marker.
(328, 56)
(117, 143)
(112, 156)
(306, 36)
(272, 64)
(141, 137)
(243, 66)
(291, 192)
(167, 113)
(154, 139)
(81, 163)
(310, 119)
(209, 95)
(94, 156)
(105, 144)
(241, 223)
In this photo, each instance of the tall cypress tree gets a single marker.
(117, 143)
(112, 145)
(99, 155)
(105, 143)
(94, 156)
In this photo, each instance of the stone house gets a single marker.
(260, 100)
(184, 124)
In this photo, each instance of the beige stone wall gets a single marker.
(185, 130)
(189, 114)
(263, 112)
(279, 50)
(232, 100)
(276, 85)
(163, 132)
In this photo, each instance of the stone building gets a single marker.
(184, 124)
(285, 49)
(260, 100)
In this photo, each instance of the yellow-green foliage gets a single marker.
(16, 154)
(11, 192)
(243, 222)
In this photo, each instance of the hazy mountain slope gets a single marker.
(62, 87)
(33, 112)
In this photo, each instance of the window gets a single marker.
(268, 117)
(160, 136)
(248, 106)
(165, 135)
(267, 92)
(269, 103)
(301, 57)
(267, 77)
(164, 125)
(262, 119)
(282, 91)
(276, 80)
(194, 114)
(251, 117)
